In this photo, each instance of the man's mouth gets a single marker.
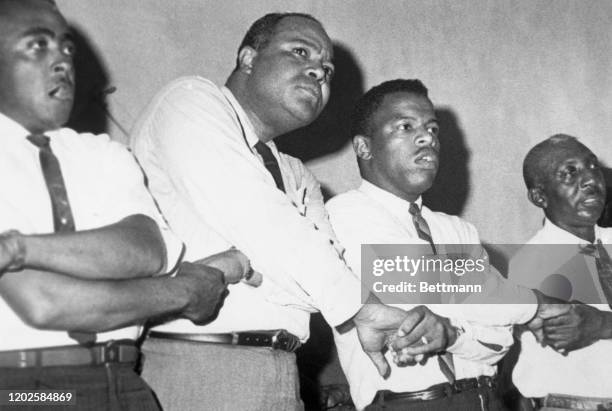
(594, 200)
(64, 91)
(427, 158)
(313, 91)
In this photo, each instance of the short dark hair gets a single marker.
(368, 103)
(259, 34)
(539, 159)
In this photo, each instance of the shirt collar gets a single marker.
(249, 130)
(9, 128)
(558, 235)
(394, 204)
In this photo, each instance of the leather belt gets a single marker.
(573, 402)
(437, 391)
(121, 351)
(275, 339)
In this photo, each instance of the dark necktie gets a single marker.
(270, 163)
(445, 360)
(63, 220)
(603, 262)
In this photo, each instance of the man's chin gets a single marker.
(304, 115)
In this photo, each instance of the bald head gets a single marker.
(541, 159)
(564, 179)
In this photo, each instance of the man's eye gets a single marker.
(69, 49)
(405, 126)
(300, 51)
(39, 44)
(433, 130)
(567, 173)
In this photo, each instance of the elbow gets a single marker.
(40, 312)
(150, 246)
(153, 260)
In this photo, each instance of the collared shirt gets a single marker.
(541, 370)
(104, 185)
(215, 191)
(371, 215)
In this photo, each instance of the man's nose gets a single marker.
(317, 71)
(63, 62)
(590, 177)
(426, 137)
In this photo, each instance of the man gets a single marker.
(396, 141)
(219, 179)
(80, 234)
(564, 179)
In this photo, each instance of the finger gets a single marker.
(559, 331)
(403, 359)
(380, 362)
(554, 339)
(561, 345)
(254, 280)
(429, 348)
(557, 321)
(539, 335)
(415, 337)
(412, 319)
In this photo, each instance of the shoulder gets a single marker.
(348, 202)
(606, 234)
(85, 141)
(450, 223)
(301, 174)
(189, 95)
(189, 110)
(94, 148)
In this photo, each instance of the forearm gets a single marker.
(132, 247)
(53, 301)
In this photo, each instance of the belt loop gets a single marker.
(111, 382)
(381, 400)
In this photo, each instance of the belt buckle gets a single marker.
(283, 340)
(484, 381)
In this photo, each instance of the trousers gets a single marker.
(478, 399)
(190, 376)
(107, 387)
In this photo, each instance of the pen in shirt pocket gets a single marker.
(301, 206)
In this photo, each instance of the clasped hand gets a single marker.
(411, 335)
(567, 326)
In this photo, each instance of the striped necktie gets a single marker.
(603, 262)
(445, 360)
(63, 221)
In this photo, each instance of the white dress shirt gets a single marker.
(370, 215)
(104, 185)
(541, 371)
(215, 191)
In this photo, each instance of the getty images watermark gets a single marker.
(462, 273)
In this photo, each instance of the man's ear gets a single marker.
(362, 146)
(537, 197)
(246, 56)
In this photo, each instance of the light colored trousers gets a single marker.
(190, 376)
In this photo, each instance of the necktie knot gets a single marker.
(39, 140)
(414, 209)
